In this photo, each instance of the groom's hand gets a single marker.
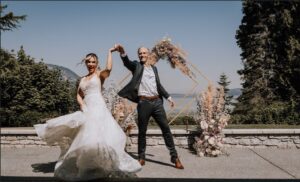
(171, 102)
(120, 48)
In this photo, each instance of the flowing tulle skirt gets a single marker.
(91, 141)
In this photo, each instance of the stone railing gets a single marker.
(279, 138)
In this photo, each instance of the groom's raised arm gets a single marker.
(127, 63)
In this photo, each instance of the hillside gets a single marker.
(235, 92)
(67, 74)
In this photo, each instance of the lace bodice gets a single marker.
(91, 86)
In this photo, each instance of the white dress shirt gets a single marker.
(148, 85)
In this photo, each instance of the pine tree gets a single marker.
(252, 37)
(269, 39)
(286, 43)
(9, 21)
(227, 98)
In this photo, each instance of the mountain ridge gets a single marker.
(66, 73)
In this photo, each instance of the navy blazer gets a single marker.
(130, 91)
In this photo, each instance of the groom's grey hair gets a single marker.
(142, 47)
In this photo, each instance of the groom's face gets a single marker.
(143, 54)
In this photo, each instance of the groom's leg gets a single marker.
(144, 112)
(160, 117)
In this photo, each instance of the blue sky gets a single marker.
(63, 33)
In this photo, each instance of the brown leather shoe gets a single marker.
(178, 164)
(142, 162)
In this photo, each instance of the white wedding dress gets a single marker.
(91, 141)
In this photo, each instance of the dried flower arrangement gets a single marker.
(176, 56)
(123, 112)
(212, 119)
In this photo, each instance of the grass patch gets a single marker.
(261, 126)
(236, 126)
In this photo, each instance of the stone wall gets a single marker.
(21, 141)
(253, 138)
(262, 138)
(263, 141)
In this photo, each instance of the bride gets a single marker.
(92, 143)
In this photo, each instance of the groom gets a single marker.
(146, 90)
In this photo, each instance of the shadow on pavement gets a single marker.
(44, 167)
(158, 162)
(52, 179)
(135, 156)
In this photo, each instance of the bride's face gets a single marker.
(91, 65)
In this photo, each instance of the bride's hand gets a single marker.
(113, 49)
(119, 48)
(83, 108)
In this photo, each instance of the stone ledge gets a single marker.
(280, 138)
(18, 131)
(31, 131)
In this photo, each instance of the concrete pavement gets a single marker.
(269, 164)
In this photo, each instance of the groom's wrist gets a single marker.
(123, 54)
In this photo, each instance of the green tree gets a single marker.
(227, 98)
(9, 21)
(252, 39)
(286, 49)
(31, 92)
(269, 39)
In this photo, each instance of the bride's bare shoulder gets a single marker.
(82, 77)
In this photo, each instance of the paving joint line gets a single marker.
(272, 163)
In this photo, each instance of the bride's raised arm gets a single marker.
(106, 72)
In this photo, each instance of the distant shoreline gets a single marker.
(233, 92)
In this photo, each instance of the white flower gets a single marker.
(206, 137)
(208, 150)
(211, 140)
(204, 125)
(201, 154)
(214, 153)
